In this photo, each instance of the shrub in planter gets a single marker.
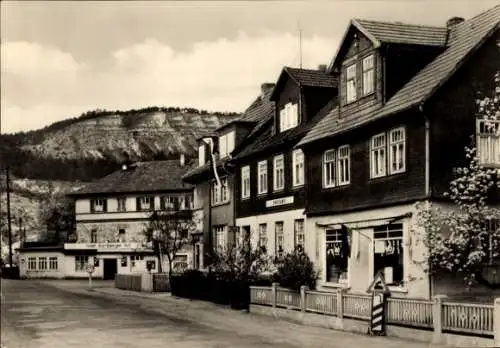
(296, 269)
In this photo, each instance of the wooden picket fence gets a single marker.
(472, 319)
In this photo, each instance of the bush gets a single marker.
(296, 269)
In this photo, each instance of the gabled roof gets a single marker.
(258, 113)
(268, 142)
(151, 176)
(464, 39)
(306, 77)
(393, 33)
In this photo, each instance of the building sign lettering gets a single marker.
(279, 201)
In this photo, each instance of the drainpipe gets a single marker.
(427, 181)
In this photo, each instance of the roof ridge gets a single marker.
(359, 20)
(481, 14)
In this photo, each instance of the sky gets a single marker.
(60, 59)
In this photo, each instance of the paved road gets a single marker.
(38, 314)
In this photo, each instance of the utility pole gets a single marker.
(300, 46)
(8, 215)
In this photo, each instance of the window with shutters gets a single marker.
(279, 173)
(201, 154)
(98, 205)
(226, 144)
(368, 75)
(298, 168)
(351, 94)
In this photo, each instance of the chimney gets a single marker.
(322, 67)
(265, 87)
(182, 160)
(454, 21)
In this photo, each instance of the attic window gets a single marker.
(201, 155)
(368, 75)
(289, 117)
(351, 83)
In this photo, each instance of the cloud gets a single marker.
(27, 58)
(44, 84)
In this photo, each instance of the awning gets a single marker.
(365, 223)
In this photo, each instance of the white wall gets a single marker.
(288, 218)
(24, 272)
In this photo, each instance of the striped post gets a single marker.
(377, 320)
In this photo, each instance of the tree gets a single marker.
(296, 269)
(168, 232)
(462, 240)
(242, 262)
(57, 212)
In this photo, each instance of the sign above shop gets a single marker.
(279, 201)
(103, 246)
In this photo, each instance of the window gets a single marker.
(31, 263)
(245, 182)
(93, 236)
(121, 235)
(146, 203)
(397, 150)
(219, 237)
(226, 144)
(289, 117)
(180, 263)
(122, 204)
(298, 168)
(263, 236)
(280, 238)
(299, 234)
(488, 142)
(336, 260)
(368, 75)
(53, 263)
(98, 206)
(343, 166)
(81, 262)
(377, 157)
(351, 83)
(201, 155)
(220, 194)
(262, 179)
(329, 168)
(279, 173)
(388, 253)
(134, 259)
(168, 203)
(42, 263)
(336, 166)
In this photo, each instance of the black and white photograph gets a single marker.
(219, 174)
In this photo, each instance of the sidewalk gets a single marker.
(212, 315)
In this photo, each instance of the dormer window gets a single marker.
(226, 144)
(289, 117)
(351, 83)
(201, 155)
(368, 75)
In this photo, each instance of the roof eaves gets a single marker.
(460, 63)
(275, 89)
